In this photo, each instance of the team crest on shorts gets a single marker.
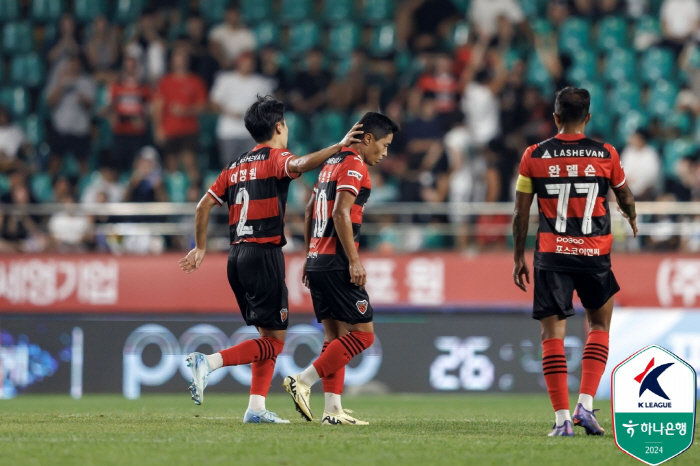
(283, 314)
(362, 306)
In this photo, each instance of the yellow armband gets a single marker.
(524, 184)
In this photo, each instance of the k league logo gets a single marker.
(653, 404)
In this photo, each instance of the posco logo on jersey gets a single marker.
(562, 239)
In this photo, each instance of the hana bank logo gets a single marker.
(649, 381)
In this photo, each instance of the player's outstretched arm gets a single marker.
(521, 219)
(194, 258)
(308, 233)
(343, 226)
(625, 204)
(308, 162)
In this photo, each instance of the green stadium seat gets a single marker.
(87, 10)
(41, 188)
(293, 11)
(679, 121)
(612, 33)
(16, 99)
(254, 11)
(4, 184)
(537, 74)
(302, 37)
(655, 7)
(459, 35)
(128, 11)
(600, 124)
(101, 99)
(647, 31)
(378, 11)
(629, 123)
(574, 35)
(9, 10)
(27, 70)
(662, 98)
(624, 97)
(336, 11)
(542, 27)
(674, 151)
(532, 8)
(462, 5)
(298, 128)
(598, 97)
(657, 63)
(267, 33)
(584, 67)
(176, 185)
(353, 118)
(213, 11)
(619, 66)
(343, 39)
(34, 129)
(105, 136)
(45, 11)
(17, 38)
(300, 149)
(327, 128)
(207, 131)
(210, 177)
(383, 40)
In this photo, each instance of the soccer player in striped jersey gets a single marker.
(571, 176)
(333, 271)
(255, 186)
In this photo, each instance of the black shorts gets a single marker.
(554, 291)
(178, 144)
(256, 276)
(334, 297)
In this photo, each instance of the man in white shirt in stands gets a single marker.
(680, 20)
(642, 166)
(231, 38)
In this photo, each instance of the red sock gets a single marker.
(341, 350)
(251, 351)
(334, 382)
(555, 372)
(262, 376)
(595, 356)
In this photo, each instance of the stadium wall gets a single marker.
(445, 322)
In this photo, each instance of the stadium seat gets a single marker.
(378, 11)
(537, 74)
(584, 67)
(302, 37)
(542, 27)
(462, 5)
(674, 151)
(105, 136)
(17, 38)
(647, 31)
(207, 131)
(662, 98)
(657, 63)
(298, 129)
(210, 177)
(612, 33)
(101, 98)
(267, 33)
(343, 39)
(629, 123)
(679, 121)
(336, 11)
(624, 97)
(619, 66)
(254, 11)
(598, 97)
(327, 128)
(87, 10)
(4, 184)
(600, 124)
(44, 11)
(9, 10)
(27, 70)
(213, 11)
(16, 99)
(41, 188)
(176, 184)
(574, 35)
(296, 10)
(383, 40)
(534, 8)
(128, 11)
(33, 128)
(459, 35)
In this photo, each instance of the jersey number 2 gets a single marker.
(564, 191)
(243, 198)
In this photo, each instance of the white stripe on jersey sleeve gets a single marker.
(218, 199)
(342, 186)
(286, 166)
(623, 182)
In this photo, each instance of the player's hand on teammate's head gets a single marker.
(358, 276)
(352, 136)
(632, 221)
(192, 260)
(520, 270)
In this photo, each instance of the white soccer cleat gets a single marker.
(300, 393)
(199, 366)
(341, 419)
(262, 417)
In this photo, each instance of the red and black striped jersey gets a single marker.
(255, 186)
(345, 171)
(571, 176)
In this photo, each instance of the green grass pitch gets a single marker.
(405, 430)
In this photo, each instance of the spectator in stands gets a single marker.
(102, 50)
(680, 20)
(70, 231)
(66, 44)
(13, 143)
(310, 86)
(642, 166)
(202, 62)
(348, 90)
(441, 81)
(423, 24)
(146, 182)
(232, 94)
(150, 47)
(19, 231)
(269, 67)
(481, 107)
(180, 99)
(689, 98)
(128, 112)
(484, 15)
(105, 181)
(231, 38)
(71, 95)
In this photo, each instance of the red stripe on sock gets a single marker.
(339, 352)
(251, 351)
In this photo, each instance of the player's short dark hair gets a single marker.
(378, 125)
(261, 117)
(572, 104)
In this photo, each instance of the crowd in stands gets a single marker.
(143, 100)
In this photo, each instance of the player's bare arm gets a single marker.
(521, 219)
(343, 225)
(308, 232)
(314, 160)
(625, 203)
(194, 258)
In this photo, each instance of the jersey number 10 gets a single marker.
(321, 214)
(564, 191)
